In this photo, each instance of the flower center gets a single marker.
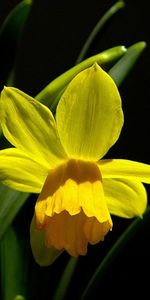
(71, 207)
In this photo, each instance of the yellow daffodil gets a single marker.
(62, 160)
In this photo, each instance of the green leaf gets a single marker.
(15, 21)
(113, 253)
(12, 266)
(10, 34)
(124, 65)
(61, 290)
(10, 203)
(19, 297)
(109, 14)
(52, 90)
(51, 94)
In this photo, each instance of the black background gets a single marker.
(53, 36)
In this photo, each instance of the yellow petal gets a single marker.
(89, 115)
(71, 208)
(42, 255)
(96, 231)
(122, 168)
(30, 126)
(20, 172)
(73, 186)
(66, 232)
(73, 233)
(126, 198)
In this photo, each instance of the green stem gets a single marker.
(98, 27)
(13, 271)
(113, 253)
(49, 93)
(122, 67)
(65, 280)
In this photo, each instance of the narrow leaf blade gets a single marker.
(10, 34)
(10, 203)
(52, 90)
(124, 65)
(12, 265)
(65, 279)
(105, 18)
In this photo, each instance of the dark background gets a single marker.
(53, 36)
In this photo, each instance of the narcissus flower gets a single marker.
(62, 160)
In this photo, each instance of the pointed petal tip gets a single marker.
(6, 89)
(95, 70)
(95, 66)
(6, 93)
